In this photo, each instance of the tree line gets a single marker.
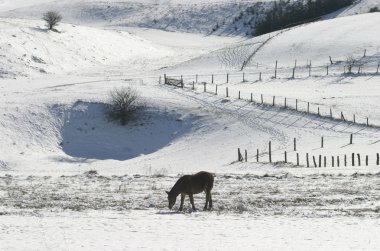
(284, 14)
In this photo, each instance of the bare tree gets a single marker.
(350, 63)
(123, 104)
(52, 18)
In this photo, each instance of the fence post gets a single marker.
(181, 81)
(286, 157)
(243, 77)
(204, 87)
(196, 78)
(216, 89)
(378, 66)
(365, 52)
(353, 159)
(227, 92)
(315, 163)
(308, 107)
(359, 160)
(246, 155)
(331, 62)
(251, 97)
(270, 152)
(322, 143)
(165, 79)
(275, 71)
(367, 122)
(327, 68)
(239, 94)
(212, 78)
(377, 159)
(332, 161)
(295, 144)
(320, 161)
(307, 160)
(159, 80)
(354, 118)
(296, 104)
(318, 111)
(331, 113)
(257, 155)
(310, 69)
(342, 116)
(227, 78)
(298, 159)
(351, 137)
(274, 98)
(262, 99)
(294, 69)
(285, 103)
(337, 161)
(324, 161)
(345, 160)
(240, 157)
(260, 76)
(366, 160)
(193, 86)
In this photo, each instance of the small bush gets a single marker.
(52, 18)
(350, 63)
(123, 104)
(374, 9)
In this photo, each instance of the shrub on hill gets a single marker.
(52, 18)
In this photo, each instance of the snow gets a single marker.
(72, 179)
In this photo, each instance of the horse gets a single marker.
(192, 184)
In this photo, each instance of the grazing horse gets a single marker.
(192, 184)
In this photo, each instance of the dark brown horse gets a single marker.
(192, 184)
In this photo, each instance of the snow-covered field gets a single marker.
(70, 179)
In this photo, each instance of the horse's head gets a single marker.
(171, 199)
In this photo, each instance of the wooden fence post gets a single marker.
(257, 155)
(227, 78)
(332, 161)
(298, 159)
(196, 78)
(285, 103)
(366, 160)
(275, 71)
(310, 69)
(359, 160)
(318, 111)
(308, 107)
(260, 76)
(286, 157)
(324, 161)
(345, 160)
(296, 104)
(212, 78)
(378, 66)
(204, 87)
(353, 159)
(315, 163)
(331, 113)
(262, 99)
(274, 98)
(322, 142)
(342, 116)
(351, 137)
(294, 69)
(327, 68)
(295, 144)
(182, 81)
(337, 161)
(240, 157)
(227, 92)
(367, 122)
(320, 161)
(246, 155)
(216, 89)
(331, 62)
(377, 159)
(243, 77)
(251, 97)
(193, 86)
(159, 80)
(165, 79)
(354, 118)
(270, 152)
(307, 160)
(239, 94)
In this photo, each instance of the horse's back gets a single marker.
(204, 179)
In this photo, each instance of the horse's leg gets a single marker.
(192, 201)
(182, 200)
(207, 200)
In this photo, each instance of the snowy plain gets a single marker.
(72, 180)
